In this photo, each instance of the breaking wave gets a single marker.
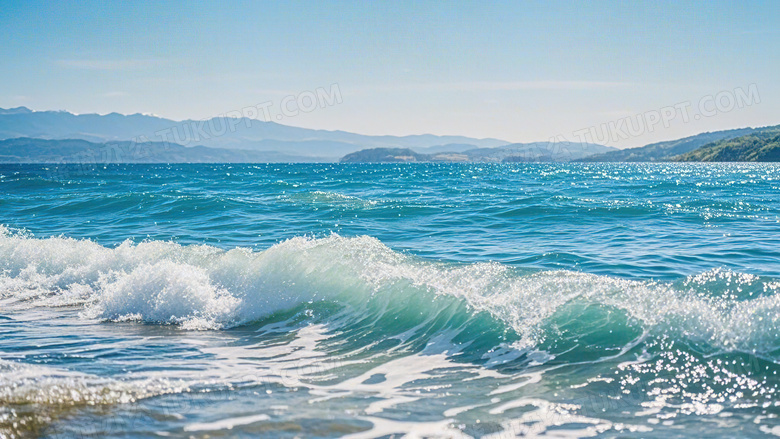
(366, 284)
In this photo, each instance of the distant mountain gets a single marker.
(218, 132)
(664, 151)
(27, 150)
(517, 152)
(538, 152)
(450, 147)
(760, 146)
(17, 110)
(385, 155)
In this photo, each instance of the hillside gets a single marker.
(217, 132)
(538, 152)
(524, 152)
(760, 146)
(385, 155)
(27, 150)
(664, 151)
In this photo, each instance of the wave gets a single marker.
(33, 396)
(335, 199)
(22, 383)
(387, 293)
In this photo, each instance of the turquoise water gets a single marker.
(433, 300)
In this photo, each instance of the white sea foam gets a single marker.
(33, 395)
(203, 287)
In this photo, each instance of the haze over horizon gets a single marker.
(518, 72)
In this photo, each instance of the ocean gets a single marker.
(390, 300)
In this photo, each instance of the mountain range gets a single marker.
(739, 145)
(664, 151)
(218, 132)
(762, 145)
(29, 150)
(28, 136)
(515, 152)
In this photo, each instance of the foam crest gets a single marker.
(202, 287)
(30, 384)
(33, 396)
(167, 292)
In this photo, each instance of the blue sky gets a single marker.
(520, 71)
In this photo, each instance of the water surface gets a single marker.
(442, 300)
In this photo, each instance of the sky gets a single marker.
(518, 71)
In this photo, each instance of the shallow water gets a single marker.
(440, 300)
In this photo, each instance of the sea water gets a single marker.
(383, 300)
